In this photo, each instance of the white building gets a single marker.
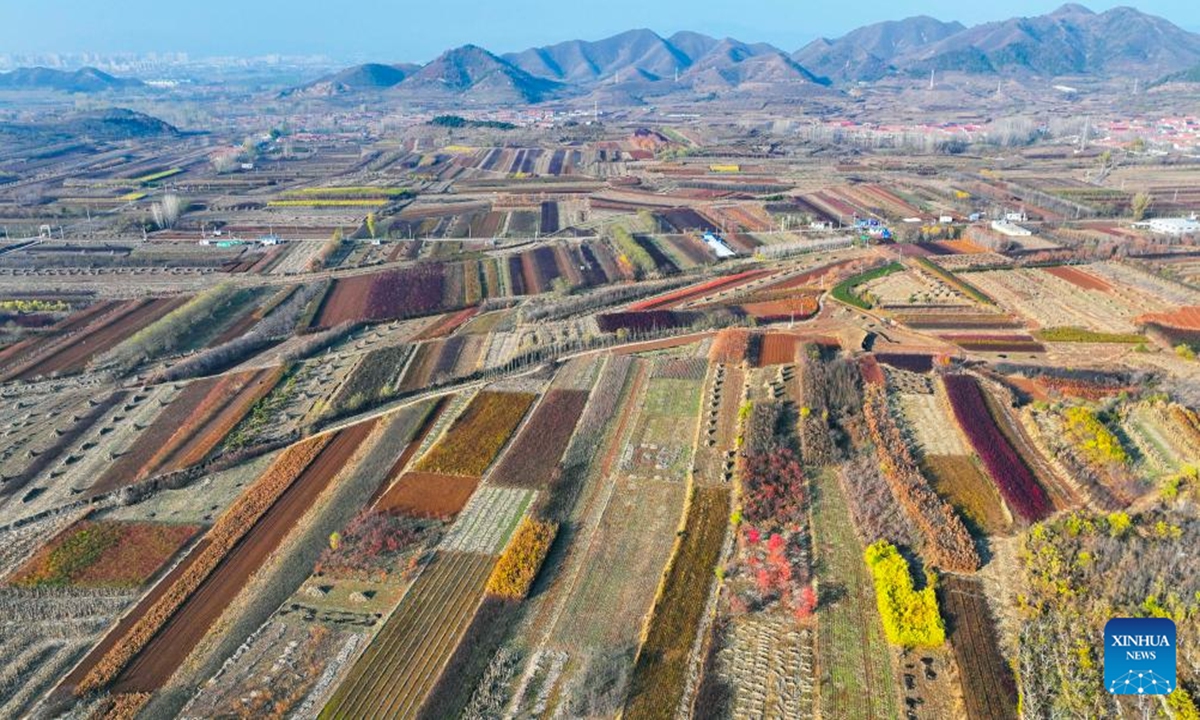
(1175, 226)
(1005, 227)
(718, 246)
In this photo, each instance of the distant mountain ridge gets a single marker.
(98, 125)
(640, 65)
(84, 80)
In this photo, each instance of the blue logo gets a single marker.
(1139, 656)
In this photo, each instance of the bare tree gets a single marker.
(167, 212)
(224, 162)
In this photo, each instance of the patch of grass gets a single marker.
(844, 291)
(856, 678)
(1078, 334)
(154, 177)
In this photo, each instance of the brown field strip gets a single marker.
(988, 686)
(128, 468)
(202, 436)
(163, 655)
(126, 623)
(1079, 278)
(534, 455)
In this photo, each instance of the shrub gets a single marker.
(1098, 442)
(629, 251)
(1004, 464)
(773, 487)
(946, 540)
(518, 567)
(176, 330)
(370, 543)
(1077, 334)
(534, 456)
(910, 617)
(477, 435)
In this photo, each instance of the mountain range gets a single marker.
(640, 65)
(84, 80)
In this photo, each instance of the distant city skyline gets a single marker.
(388, 32)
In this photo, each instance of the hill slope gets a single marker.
(476, 74)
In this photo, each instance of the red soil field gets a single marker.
(346, 301)
(428, 495)
(534, 455)
(126, 623)
(730, 346)
(411, 449)
(163, 655)
(72, 354)
(132, 554)
(797, 308)
(1185, 318)
(447, 324)
(692, 292)
(778, 349)
(807, 278)
(963, 247)
(1079, 278)
(871, 372)
(223, 408)
(29, 347)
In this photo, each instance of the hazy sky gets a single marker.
(404, 30)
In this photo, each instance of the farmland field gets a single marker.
(531, 460)
(642, 376)
(1051, 301)
(662, 663)
(403, 661)
(425, 494)
(1007, 469)
(102, 554)
(476, 436)
(633, 541)
(988, 685)
(661, 445)
(853, 660)
(152, 664)
(959, 479)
